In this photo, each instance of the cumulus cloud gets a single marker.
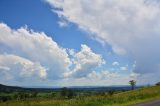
(115, 63)
(17, 68)
(123, 68)
(102, 78)
(32, 49)
(130, 27)
(103, 75)
(134, 75)
(28, 55)
(85, 61)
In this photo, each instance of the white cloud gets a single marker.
(134, 75)
(4, 68)
(27, 56)
(123, 68)
(34, 47)
(103, 75)
(17, 68)
(85, 62)
(63, 23)
(130, 27)
(103, 78)
(71, 52)
(115, 63)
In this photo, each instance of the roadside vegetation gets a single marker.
(68, 97)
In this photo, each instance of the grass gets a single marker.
(119, 99)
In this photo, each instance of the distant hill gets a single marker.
(5, 88)
(100, 88)
(8, 89)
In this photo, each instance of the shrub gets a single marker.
(111, 92)
(67, 93)
(34, 94)
(5, 98)
(158, 84)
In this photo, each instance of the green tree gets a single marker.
(132, 83)
(111, 92)
(67, 93)
(70, 93)
(34, 94)
(64, 92)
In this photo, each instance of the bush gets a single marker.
(64, 92)
(5, 98)
(21, 95)
(158, 84)
(67, 93)
(70, 94)
(111, 92)
(34, 94)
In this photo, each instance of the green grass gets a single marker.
(119, 99)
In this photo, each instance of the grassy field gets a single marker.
(119, 99)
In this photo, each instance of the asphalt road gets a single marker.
(150, 103)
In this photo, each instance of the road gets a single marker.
(150, 103)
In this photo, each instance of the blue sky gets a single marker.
(91, 45)
(37, 15)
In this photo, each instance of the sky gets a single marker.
(79, 42)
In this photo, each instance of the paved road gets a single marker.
(150, 103)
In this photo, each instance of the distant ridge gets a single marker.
(6, 88)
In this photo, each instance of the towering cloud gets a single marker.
(26, 55)
(85, 62)
(32, 53)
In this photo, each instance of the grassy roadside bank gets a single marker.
(119, 99)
